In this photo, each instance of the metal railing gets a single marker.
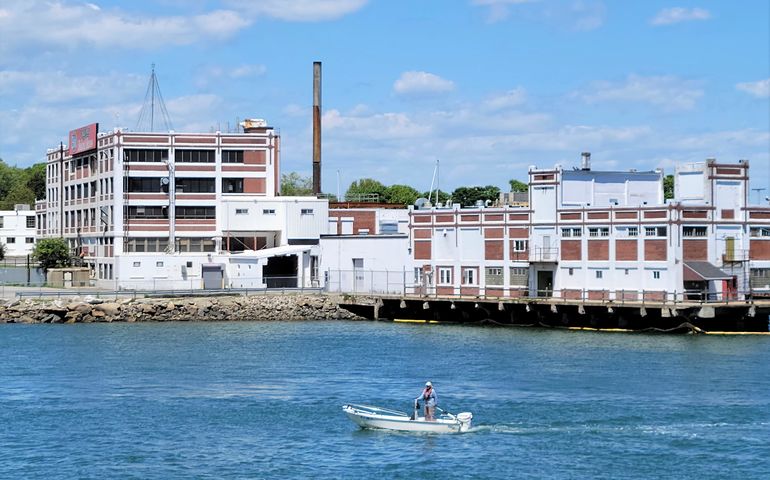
(543, 254)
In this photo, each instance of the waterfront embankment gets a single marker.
(220, 308)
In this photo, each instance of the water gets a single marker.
(262, 400)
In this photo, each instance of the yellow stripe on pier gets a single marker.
(410, 320)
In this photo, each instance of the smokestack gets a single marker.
(585, 163)
(316, 128)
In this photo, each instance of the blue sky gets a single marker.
(487, 87)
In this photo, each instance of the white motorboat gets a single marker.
(367, 416)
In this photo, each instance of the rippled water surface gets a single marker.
(263, 400)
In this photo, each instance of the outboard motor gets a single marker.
(465, 419)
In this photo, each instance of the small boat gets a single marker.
(367, 416)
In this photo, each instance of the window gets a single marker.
(194, 156)
(10, 240)
(655, 231)
(693, 231)
(358, 263)
(520, 245)
(571, 271)
(389, 227)
(628, 271)
(194, 245)
(158, 264)
(196, 212)
(753, 231)
(29, 240)
(194, 185)
(445, 275)
(144, 155)
(494, 275)
(232, 156)
(30, 222)
(417, 274)
(146, 244)
(469, 276)
(232, 185)
(189, 264)
(144, 185)
(1, 222)
(137, 264)
(306, 211)
(571, 232)
(145, 212)
(656, 274)
(519, 276)
(599, 232)
(241, 211)
(599, 274)
(759, 278)
(268, 211)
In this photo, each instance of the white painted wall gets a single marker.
(14, 233)
(384, 263)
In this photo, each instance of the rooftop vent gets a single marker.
(585, 162)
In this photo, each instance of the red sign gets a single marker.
(83, 139)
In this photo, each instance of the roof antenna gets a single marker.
(147, 114)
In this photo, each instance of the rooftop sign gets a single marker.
(83, 139)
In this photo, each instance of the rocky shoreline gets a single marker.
(222, 308)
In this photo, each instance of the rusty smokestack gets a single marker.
(316, 128)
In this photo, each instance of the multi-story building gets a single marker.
(17, 231)
(170, 210)
(592, 235)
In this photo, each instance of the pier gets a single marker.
(720, 315)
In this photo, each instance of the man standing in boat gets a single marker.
(428, 396)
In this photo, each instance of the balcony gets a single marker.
(732, 256)
(544, 254)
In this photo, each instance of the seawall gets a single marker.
(220, 308)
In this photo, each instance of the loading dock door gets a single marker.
(213, 276)
(281, 272)
(544, 283)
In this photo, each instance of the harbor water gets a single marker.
(263, 400)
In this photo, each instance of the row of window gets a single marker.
(573, 232)
(181, 155)
(181, 212)
(10, 240)
(600, 273)
(160, 244)
(30, 222)
(182, 185)
(519, 276)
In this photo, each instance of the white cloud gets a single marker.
(759, 89)
(299, 10)
(60, 87)
(498, 10)
(215, 74)
(670, 16)
(420, 83)
(509, 99)
(64, 25)
(666, 92)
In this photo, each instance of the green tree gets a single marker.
(52, 253)
(19, 193)
(401, 194)
(9, 176)
(468, 196)
(2, 251)
(518, 186)
(36, 180)
(668, 187)
(366, 189)
(443, 196)
(295, 185)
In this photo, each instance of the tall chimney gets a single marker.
(585, 163)
(316, 128)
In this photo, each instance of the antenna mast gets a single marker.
(146, 120)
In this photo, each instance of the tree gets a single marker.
(668, 187)
(52, 253)
(401, 194)
(2, 251)
(366, 189)
(36, 180)
(443, 196)
(518, 186)
(19, 193)
(468, 196)
(295, 185)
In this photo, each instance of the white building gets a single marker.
(181, 210)
(17, 231)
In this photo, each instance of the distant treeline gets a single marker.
(21, 185)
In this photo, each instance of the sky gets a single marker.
(485, 88)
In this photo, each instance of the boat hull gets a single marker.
(366, 418)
